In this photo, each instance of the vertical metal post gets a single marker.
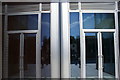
(38, 46)
(65, 41)
(116, 42)
(55, 41)
(100, 56)
(21, 55)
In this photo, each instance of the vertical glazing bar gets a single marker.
(55, 41)
(5, 56)
(65, 41)
(21, 55)
(38, 47)
(100, 56)
(82, 45)
(116, 39)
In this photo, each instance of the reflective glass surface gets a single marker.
(98, 21)
(23, 22)
(75, 44)
(30, 55)
(91, 55)
(108, 55)
(45, 45)
(13, 56)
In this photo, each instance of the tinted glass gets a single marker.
(91, 55)
(75, 44)
(23, 22)
(30, 55)
(13, 56)
(108, 55)
(45, 45)
(98, 21)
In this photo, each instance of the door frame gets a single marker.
(65, 38)
(100, 53)
(54, 42)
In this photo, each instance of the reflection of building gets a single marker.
(45, 52)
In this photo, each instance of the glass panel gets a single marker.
(74, 6)
(98, 21)
(91, 55)
(46, 7)
(13, 56)
(30, 55)
(45, 45)
(75, 44)
(108, 53)
(23, 22)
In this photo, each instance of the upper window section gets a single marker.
(46, 7)
(74, 6)
(23, 22)
(98, 6)
(98, 21)
(20, 7)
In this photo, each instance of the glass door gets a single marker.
(100, 54)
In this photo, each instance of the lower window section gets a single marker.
(13, 55)
(91, 55)
(108, 55)
(29, 55)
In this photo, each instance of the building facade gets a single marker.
(60, 39)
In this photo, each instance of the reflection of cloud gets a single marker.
(88, 17)
(74, 24)
(46, 23)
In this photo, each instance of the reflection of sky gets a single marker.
(74, 24)
(98, 21)
(104, 35)
(45, 26)
(88, 21)
(90, 34)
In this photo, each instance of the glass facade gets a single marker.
(89, 34)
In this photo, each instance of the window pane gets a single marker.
(30, 55)
(91, 55)
(108, 55)
(75, 44)
(23, 22)
(13, 56)
(45, 45)
(98, 21)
